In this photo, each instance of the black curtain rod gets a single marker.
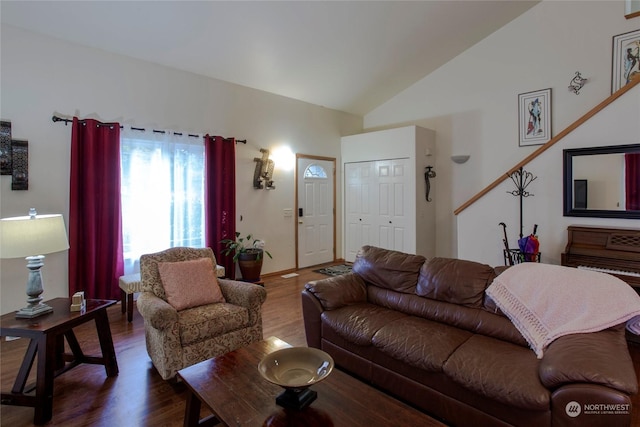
(61, 119)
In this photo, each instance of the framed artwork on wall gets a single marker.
(626, 59)
(631, 8)
(19, 164)
(534, 117)
(5, 148)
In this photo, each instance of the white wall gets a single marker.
(42, 76)
(477, 225)
(471, 103)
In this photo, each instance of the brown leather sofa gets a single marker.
(425, 332)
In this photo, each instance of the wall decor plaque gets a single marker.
(5, 147)
(20, 164)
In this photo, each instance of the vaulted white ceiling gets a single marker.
(345, 55)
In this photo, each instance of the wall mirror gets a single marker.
(602, 182)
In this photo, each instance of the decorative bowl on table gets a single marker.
(296, 369)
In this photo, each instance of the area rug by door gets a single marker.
(335, 270)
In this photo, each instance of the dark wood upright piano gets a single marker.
(609, 250)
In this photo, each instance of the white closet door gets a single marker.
(359, 207)
(393, 204)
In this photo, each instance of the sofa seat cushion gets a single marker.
(358, 323)
(499, 370)
(471, 319)
(206, 321)
(419, 342)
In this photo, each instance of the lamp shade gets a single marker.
(25, 236)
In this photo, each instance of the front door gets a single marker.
(316, 211)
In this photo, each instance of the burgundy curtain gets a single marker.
(95, 223)
(632, 181)
(220, 196)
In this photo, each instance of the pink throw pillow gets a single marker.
(190, 283)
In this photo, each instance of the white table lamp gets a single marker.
(25, 236)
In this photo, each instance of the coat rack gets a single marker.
(521, 178)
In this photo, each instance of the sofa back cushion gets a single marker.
(388, 269)
(454, 280)
(150, 275)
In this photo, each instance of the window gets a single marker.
(162, 191)
(315, 171)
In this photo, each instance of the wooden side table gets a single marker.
(47, 334)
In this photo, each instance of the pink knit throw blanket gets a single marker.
(545, 302)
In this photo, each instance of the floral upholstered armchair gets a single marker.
(189, 314)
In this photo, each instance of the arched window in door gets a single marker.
(315, 171)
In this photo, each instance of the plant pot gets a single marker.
(250, 263)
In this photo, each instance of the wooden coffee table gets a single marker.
(237, 395)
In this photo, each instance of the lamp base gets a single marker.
(35, 306)
(33, 311)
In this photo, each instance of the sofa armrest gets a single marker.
(155, 311)
(338, 291)
(598, 358)
(244, 294)
(578, 405)
(311, 315)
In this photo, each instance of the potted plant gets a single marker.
(248, 253)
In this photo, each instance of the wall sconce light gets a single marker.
(263, 174)
(576, 83)
(460, 158)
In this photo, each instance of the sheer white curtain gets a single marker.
(162, 193)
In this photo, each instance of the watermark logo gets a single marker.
(573, 409)
(606, 408)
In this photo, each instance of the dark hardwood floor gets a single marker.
(138, 396)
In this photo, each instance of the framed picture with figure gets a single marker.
(626, 59)
(631, 9)
(534, 117)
